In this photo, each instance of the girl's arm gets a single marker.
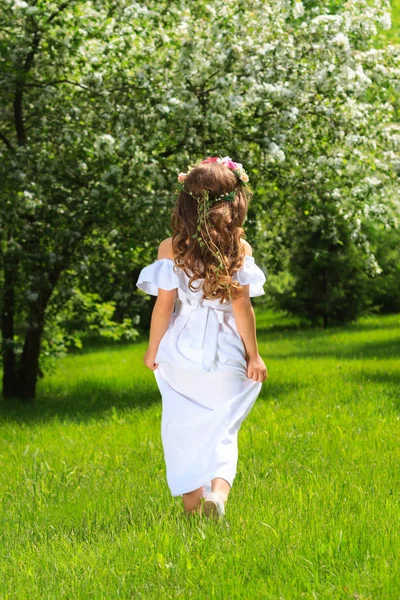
(246, 325)
(161, 315)
(245, 318)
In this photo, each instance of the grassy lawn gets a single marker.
(313, 512)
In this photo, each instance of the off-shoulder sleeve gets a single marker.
(251, 274)
(159, 274)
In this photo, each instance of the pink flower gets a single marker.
(231, 165)
(210, 160)
(182, 177)
(228, 162)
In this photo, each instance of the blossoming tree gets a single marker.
(104, 102)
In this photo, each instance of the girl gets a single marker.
(202, 345)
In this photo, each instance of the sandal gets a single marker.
(214, 505)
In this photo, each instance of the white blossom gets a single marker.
(107, 138)
(341, 40)
(372, 181)
(20, 4)
(32, 296)
(237, 48)
(298, 9)
(386, 20)
(276, 153)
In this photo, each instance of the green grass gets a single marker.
(313, 511)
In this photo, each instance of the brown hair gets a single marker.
(223, 231)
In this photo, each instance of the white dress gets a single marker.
(202, 379)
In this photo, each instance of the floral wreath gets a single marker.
(204, 204)
(236, 167)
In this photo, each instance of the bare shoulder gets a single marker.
(165, 249)
(247, 247)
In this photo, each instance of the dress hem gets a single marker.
(204, 479)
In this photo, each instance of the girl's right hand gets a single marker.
(149, 358)
(256, 368)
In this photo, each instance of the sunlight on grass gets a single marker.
(314, 508)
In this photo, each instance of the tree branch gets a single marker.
(42, 84)
(19, 117)
(213, 75)
(31, 54)
(27, 66)
(19, 89)
(58, 11)
(4, 139)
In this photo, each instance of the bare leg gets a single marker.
(192, 500)
(221, 486)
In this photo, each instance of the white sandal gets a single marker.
(214, 505)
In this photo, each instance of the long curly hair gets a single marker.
(222, 231)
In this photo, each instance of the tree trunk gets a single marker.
(326, 299)
(10, 385)
(29, 364)
(28, 370)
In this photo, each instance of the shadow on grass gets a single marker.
(313, 331)
(100, 345)
(81, 402)
(91, 399)
(275, 389)
(373, 349)
(391, 379)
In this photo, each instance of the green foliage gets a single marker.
(328, 284)
(384, 291)
(82, 316)
(93, 133)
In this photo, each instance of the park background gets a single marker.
(102, 104)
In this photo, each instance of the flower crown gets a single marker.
(237, 168)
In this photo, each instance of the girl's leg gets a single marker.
(221, 486)
(192, 500)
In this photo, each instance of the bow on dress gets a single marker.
(205, 322)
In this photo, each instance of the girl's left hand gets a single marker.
(149, 358)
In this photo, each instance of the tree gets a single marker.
(62, 170)
(329, 283)
(103, 102)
